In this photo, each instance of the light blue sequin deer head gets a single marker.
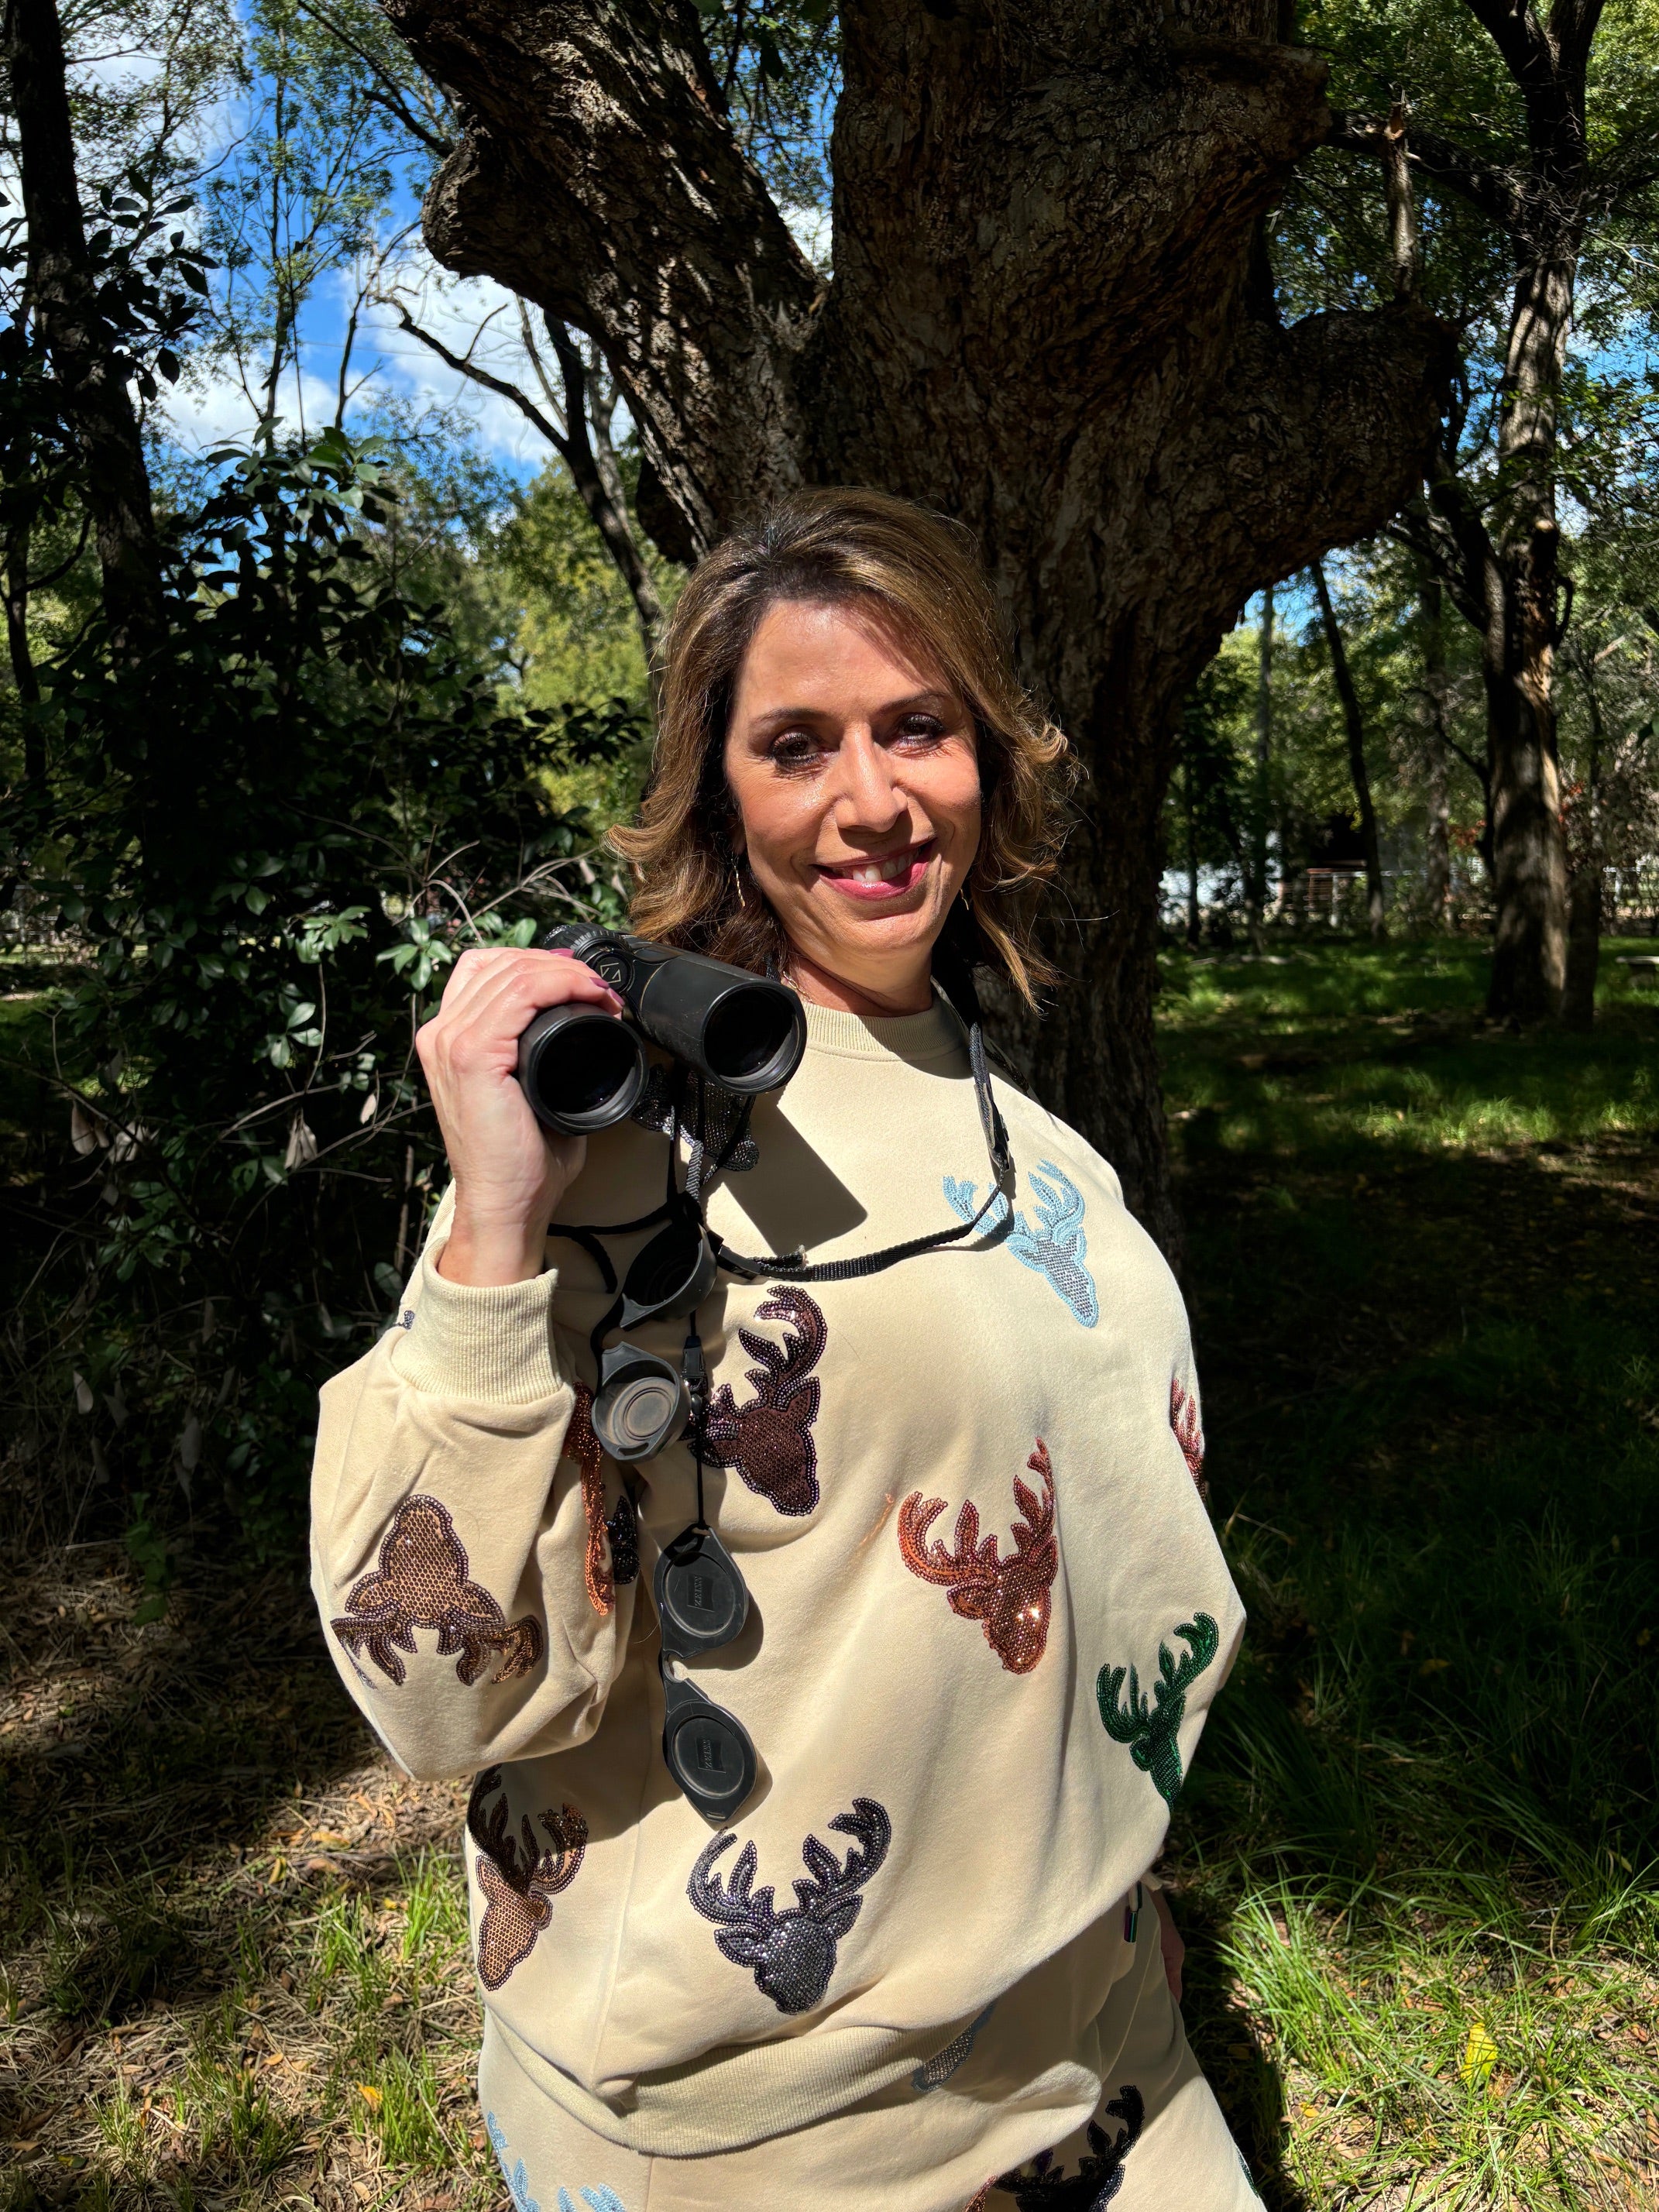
(1056, 1247)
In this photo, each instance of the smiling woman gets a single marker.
(953, 1752)
(838, 698)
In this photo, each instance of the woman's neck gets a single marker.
(821, 986)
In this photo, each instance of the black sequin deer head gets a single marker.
(793, 1952)
(770, 1442)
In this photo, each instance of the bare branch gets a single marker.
(464, 366)
(388, 92)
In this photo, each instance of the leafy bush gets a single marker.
(247, 1156)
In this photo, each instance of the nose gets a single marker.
(869, 797)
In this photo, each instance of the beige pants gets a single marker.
(951, 2139)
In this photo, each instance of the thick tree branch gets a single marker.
(600, 179)
(1323, 431)
(1519, 38)
(1439, 161)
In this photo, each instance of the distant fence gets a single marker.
(1333, 899)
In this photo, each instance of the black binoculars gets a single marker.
(582, 1069)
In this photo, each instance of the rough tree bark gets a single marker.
(1042, 321)
(62, 297)
(1353, 722)
(1502, 567)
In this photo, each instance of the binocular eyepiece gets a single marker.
(582, 1070)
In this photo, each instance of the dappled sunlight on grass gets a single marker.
(1420, 1844)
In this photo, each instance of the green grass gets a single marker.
(1420, 1849)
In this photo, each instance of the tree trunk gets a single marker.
(1588, 877)
(1263, 789)
(23, 672)
(1039, 323)
(1529, 859)
(1438, 884)
(1354, 723)
(63, 298)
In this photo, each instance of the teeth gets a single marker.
(885, 872)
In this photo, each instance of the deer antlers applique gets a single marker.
(1183, 1419)
(1056, 1248)
(422, 1583)
(519, 1884)
(1041, 2187)
(793, 1952)
(1012, 1597)
(770, 1442)
(1152, 1730)
(581, 1445)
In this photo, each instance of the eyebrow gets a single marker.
(779, 718)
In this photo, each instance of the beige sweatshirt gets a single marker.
(988, 1610)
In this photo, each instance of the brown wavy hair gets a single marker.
(918, 576)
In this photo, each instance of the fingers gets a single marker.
(546, 979)
(492, 996)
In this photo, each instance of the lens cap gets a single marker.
(702, 1601)
(671, 1275)
(637, 1407)
(708, 1753)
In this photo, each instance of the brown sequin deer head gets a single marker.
(519, 1882)
(1012, 1597)
(424, 1580)
(769, 1442)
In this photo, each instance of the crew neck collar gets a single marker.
(913, 1037)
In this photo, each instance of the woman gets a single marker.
(987, 1613)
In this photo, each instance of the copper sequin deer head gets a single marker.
(519, 1882)
(1012, 1597)
(769, 1442)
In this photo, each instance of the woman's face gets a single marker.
(856, 781)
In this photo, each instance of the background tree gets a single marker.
(1543, 133)
(1049, 316)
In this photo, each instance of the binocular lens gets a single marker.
(749, 1042)
(580, 1069)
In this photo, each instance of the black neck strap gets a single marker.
(793, 1266)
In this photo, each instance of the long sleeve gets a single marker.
(461, 1556)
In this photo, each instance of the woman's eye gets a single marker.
(793, 749)
(923, 728)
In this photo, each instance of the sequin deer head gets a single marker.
(1151, 1726)
(519, 1882)
(793, 1952)
(769, 1441)
(1011, 1596)
(423, 1580)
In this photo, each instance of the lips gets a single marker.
(880, 876)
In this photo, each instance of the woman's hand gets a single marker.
(510, 1173)
(1170, 1942)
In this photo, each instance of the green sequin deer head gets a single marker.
(1151, 1726)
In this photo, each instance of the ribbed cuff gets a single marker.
(494, 1343)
